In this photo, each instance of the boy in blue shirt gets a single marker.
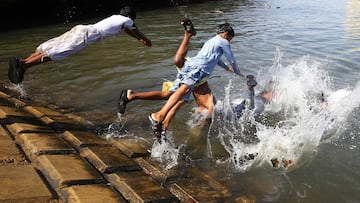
(201, 92)
(195, 70)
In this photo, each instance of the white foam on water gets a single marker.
(116, 129)
(295, 122)
(165, 152)
(18, 88)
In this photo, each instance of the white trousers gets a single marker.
(70, 42)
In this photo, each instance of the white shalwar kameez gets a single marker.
(81, 36)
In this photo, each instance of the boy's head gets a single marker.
(226, 27)
(128, 11)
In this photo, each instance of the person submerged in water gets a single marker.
(257, 103)
(251, 101)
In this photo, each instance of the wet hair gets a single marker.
(226, 27)
(128, 12)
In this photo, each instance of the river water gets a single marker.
(303, 48)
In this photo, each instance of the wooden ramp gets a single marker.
(47, 155)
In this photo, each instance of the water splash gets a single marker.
(165, 152)
(18, 88)
(305, 111)
(116, 129)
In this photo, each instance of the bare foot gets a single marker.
(130, 94)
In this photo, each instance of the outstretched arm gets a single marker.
(230, 57)
(136, 33)
(229, 68)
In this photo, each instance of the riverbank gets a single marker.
(50, 155)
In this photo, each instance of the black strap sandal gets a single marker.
(123, 100)
(156, 126)
(188, 26)
(16, 70)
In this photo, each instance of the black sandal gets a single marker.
(188, 26)
(123, 100)
(156, 126)
(16, 70)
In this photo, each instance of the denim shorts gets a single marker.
(190, 77)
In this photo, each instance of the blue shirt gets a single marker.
(203, 64)
(210, 55)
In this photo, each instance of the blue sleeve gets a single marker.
(230, 57)
(221, 64)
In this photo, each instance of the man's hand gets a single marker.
(146, 42)
(229, 69)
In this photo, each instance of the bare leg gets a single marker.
(173, 100)
(35, 59)
(171, 114)
(152, 95)
(202, 93)
(127, 96)
(204, 98)
(35, 54)
(179, 58)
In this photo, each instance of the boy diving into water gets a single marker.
(201, 92)
(75, 40)
(195, 70)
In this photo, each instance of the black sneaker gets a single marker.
(123, 100)
(16, 70)
(188, 26)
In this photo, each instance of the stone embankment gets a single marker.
(50, 155)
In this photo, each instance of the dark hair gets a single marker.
(128, 12)
(226, 27)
